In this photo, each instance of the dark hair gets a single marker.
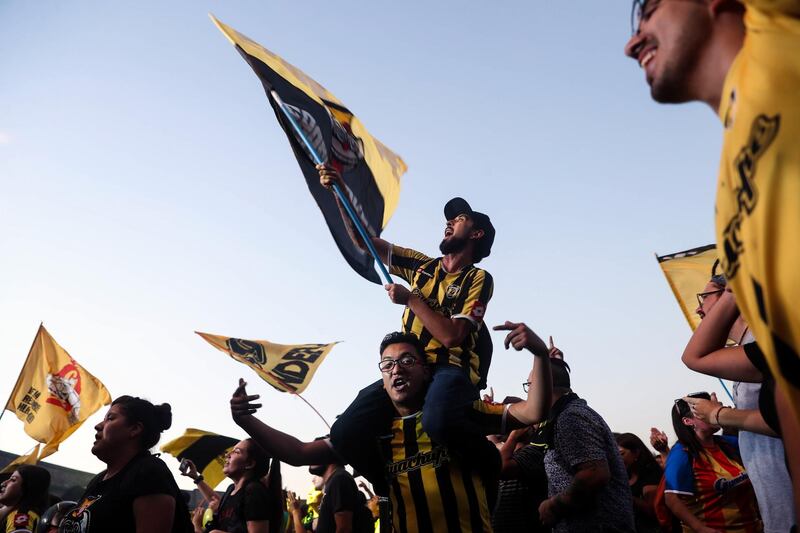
(261, 458)
(154, 418)
(35, 488)
(719, 279)
(685, 434)
(644, 460)
(398, 337)
(560, 371)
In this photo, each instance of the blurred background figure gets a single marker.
(24, 498)
(644, 475)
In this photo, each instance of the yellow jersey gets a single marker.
(463, 294)
(430, 490)
(758, 191)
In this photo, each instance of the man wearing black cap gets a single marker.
(444, 308)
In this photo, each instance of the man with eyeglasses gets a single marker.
(743, 60)
(430, 488)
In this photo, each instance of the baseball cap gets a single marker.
(458, 206)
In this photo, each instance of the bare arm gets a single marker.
(706, 352)
(713, 412)
(258, 526)
(344, 521)
(154, 513)
(683, 513)
(279, 445)
(536, 407)
(510, 468)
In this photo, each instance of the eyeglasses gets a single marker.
(406, 361)
(639, 13)
(701, 296)
(526, 386)
(643, 10)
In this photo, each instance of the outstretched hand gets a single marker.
(521, 336)
(241, 403)
(554, 352)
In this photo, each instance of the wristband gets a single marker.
(716, 416)
(198, 479)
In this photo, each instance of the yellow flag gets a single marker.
(205, 449)
(30, 459)
(288, 368)
(687, 274)
(54, 394)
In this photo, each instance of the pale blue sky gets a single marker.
(148, 191)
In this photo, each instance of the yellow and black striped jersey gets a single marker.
(430, 490)
(463, 294)
(758, 191)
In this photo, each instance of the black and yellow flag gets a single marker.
(54, 395)
(205, 449)
(370, 171)
(687, 274)
(288, 368)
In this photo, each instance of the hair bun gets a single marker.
(164, 415)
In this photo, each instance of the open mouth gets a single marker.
(400, 384)
(647, 56)
(448, 231)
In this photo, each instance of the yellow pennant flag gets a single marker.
(288, 368)
(54, 394)
(205, 449)
(30, 459)
(687, 274)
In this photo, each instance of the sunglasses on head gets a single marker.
(683, 407)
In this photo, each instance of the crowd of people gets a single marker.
(441, 458)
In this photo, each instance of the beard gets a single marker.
(673, 85)
(453, 245)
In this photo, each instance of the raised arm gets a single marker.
(706, 352)
(204, 488)
(536, 406)
(327, 177)
(713, 412)
(279, 445)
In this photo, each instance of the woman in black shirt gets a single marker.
(246, 506)
(644, 474)
(136, 493)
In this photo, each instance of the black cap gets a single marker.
(458, 206)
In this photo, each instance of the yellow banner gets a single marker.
(30, 459)
(54, 394)
(687, 274)
(205, 449)
(386, 166)
(288, 368)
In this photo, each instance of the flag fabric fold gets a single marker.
(687, 273)
(54, 395)
(205, 449)
(370, 171)
(31, 458)
(288, 368)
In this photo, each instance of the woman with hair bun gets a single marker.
(24, 497)
(136, 493)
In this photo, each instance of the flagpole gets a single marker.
(336, 189)
(291, 391)
(19, 378)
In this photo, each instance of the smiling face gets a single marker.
(237, 462)
(113, 433)
(668, 46)
(11, 490)
(405, 383)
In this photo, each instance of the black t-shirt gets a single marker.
(251, 504)
(650, 475)
(341, 494)
(766, 396)
(107, 505)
